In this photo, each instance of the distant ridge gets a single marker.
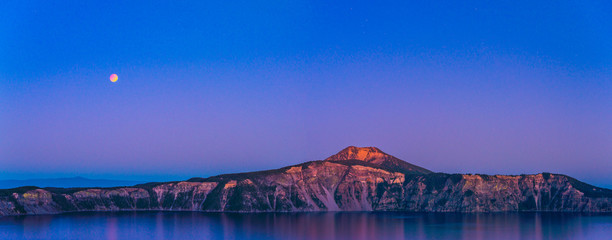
(71, 182)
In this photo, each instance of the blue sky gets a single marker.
(214, 87)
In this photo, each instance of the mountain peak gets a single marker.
(366, 154)
(375, 156)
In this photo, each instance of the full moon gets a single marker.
(114, 77)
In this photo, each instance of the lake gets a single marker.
(394, 225)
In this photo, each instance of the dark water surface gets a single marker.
(197, 225)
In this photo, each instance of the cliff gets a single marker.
(355, 179)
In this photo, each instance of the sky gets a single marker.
(212, 87)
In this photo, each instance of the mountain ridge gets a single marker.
(66, 182)
(354, 179)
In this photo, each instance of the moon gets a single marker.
(114, 77)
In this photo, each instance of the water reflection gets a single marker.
(195, 225)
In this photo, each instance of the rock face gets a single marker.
(355, 179)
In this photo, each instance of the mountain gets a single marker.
(376, 157)
(355, 179)
(66, 182)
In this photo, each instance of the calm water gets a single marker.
(189, 225)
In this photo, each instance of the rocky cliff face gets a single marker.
(355, 179)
